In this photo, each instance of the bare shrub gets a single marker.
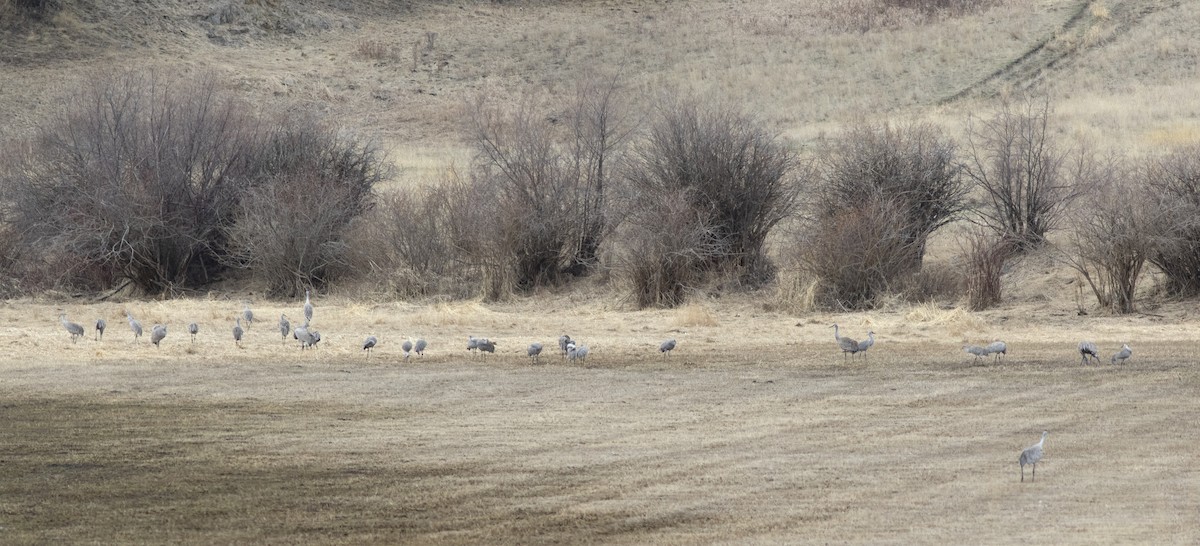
(139, 177)
(884, 191)
(1027, 176)
(984, 255)
(1113, 234)
(1174, 181)
(375, 50)
(291, 226)
(740, 178)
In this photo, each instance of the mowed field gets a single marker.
(756, 431)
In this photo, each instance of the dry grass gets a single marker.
(738, 437)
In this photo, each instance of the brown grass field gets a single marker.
(755, 431)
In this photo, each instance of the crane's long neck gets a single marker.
(1043, 440)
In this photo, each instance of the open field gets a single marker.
(755, 431)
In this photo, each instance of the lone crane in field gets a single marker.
(100, 326)
(238, 331)
(157, 333)
(74, 329)
(248, 315)
(976, 350)
(1031, 456)
(308, 307)
(193, 329)
(1088, 350)
(534, 351)
(666, 347)
(997, 348)
(407, 347)
(135, 326)
(369, 344)
(847, 345)
(419, 348)
(284, 326)
(866, 344)
(1122, 355)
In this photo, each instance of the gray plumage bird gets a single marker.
(997, 348)
(848, 345)
(1122, 355)
(563, 340)
(193, 329)
(248, 316)
(309, 338)
(308, 307)
(1031, 456)
(135, 326)
(100, 326)
(867, 343)
(369, 344)
(579, 353)
(487, 346)
(419, 348)
(285, 326)
(472, 344)
(407, 347)
(1088, 350)
(74, 329)
(534, 351)
(666, 347)
(976, 350)
(302, 335)
(238, 331)
(157, 333)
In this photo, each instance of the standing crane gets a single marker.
(100, 326)
(248, 315)
(237, 332)
(157, 333)
(847, 345)
(666, 347)
(1122, 355)
(563, 341)
(308, 308)
(74, 329)
(193, 329)
(866, 344)
(135, 326)
(284, 326)
(535, 349)
(1031, 456)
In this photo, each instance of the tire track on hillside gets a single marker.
(1028, 68)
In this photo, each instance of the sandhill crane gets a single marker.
(472, 344)
(369, 344)
(308, 307)
(666, 347)
(237, 332)
(193, 329)
(535, 350)
(997, 348)
(284, 326)
(74, 329)
(248, 315)
(1088, 350)
(157, 333)
(578, 353)
(419, 348)
(866, 344)
(976, 350)
(302, 335)
(135, 326)
(100, 326)
(315, 336)
(848, 345)
(1122, 355)
(1031, 456)
(563, 341)
(407, 347)
(486, 346)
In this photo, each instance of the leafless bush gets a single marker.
(375, 50)
(13, 11)
(139, 177)
(1027, 176)
(1113, 234)
(1174, 181)
(740, 177)
(290, 230)
(984, 254)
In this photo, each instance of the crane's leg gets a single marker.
(1022, 473)
(1034, 478)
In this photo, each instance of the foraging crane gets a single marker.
(976, 350)
(135, 326)
(579, 353)
(997, 348)
(407, 347)
(193, 329)
(74, 329)
(237, 332)
(100, 326)
(1031, 456)
(487, 346)
(535, 350)
(848, 345)
(369, 344)
(284, 326)
(303, 336)
(308, 308)
(1122, 355)
(666, 347)
(248, 315)
(157, 333)
(1088, 350)
(419, 348)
